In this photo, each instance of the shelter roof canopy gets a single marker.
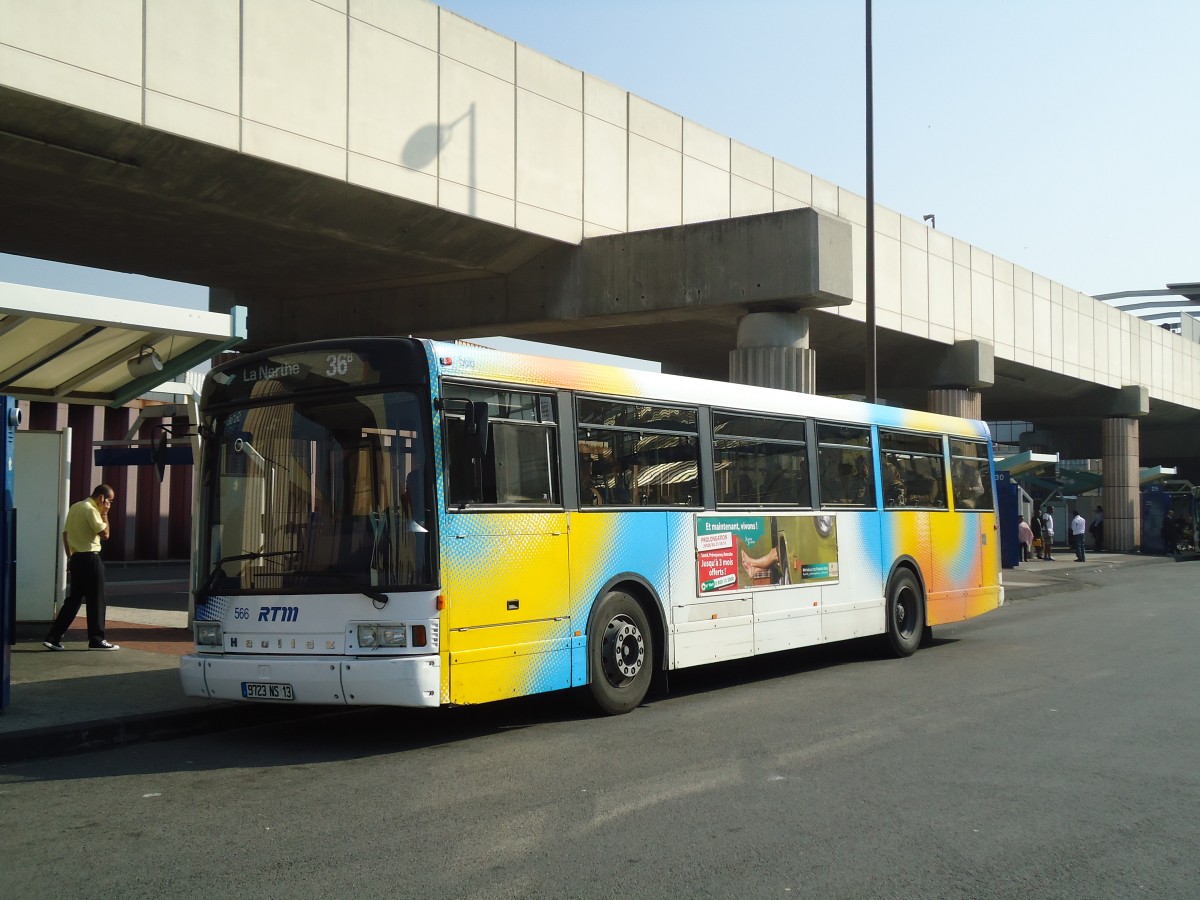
(75, 348)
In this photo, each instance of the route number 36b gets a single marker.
(338, 364)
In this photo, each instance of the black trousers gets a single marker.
(87, 584)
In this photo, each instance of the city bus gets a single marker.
(405, 522)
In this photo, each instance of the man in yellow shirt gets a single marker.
(86, 526)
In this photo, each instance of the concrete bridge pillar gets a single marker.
(964, 368)
(772, 351)
(962, 402)
(1120, 446)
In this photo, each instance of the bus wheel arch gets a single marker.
(905, 607)
(626, 642)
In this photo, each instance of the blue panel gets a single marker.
(141, 456)
(8, 543)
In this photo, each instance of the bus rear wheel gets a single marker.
(620, 654)
(905, 614)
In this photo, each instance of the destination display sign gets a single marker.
(344, 366)
(370, 364)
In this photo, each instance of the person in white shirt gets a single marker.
(1078, 536)
(1048, 532)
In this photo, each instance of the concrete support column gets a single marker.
(772, 351)
(1120, 442)
(963, 369)
(1120, 446)
(962, 402)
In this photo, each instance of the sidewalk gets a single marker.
(82, 700)
(1039, 577)
(79, 700)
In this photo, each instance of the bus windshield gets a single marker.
(323, 494)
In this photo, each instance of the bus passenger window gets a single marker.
(844, 454)
(639, 454)
(521, 464)
(970, 474)
(760, 461)
(913, 470)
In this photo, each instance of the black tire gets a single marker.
(620, 654)
(905, 614)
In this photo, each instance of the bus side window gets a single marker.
(912, 467)
(637, 454)
(970, 474)
(760, 460)
(844, 455)
(520, 467)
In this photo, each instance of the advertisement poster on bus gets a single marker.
(738, 551)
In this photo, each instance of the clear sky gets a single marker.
(1061, 135)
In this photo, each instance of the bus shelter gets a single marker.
(73, 348)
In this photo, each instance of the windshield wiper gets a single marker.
(220, 564)
(378, 597)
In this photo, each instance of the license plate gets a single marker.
(255, 690)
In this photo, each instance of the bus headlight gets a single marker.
(382, 635)
(208, 634)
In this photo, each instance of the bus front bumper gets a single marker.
(338, 680)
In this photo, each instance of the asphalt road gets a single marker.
(1049, 749)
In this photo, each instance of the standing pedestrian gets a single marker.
(1097, 529)
(1025, 536)
(86, 526)
(1048, 533)
(1169, 533)
(1078, 536)
(1035, 525)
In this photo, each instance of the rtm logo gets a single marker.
(278, 613)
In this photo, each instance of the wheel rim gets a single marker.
(905, 615)
(623, 652)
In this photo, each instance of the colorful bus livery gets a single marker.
(430, 524)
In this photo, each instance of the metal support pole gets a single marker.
(872, 379)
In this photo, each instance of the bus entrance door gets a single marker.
(505, 580)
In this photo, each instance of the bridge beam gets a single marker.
(712, 271)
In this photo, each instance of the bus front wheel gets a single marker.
(906, 614)
(620, 654)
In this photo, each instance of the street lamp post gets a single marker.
(872, 385)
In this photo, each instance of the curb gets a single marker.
(103, 734)
(1015, 595)
(1068, 580)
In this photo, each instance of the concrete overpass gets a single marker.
(347, 166)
